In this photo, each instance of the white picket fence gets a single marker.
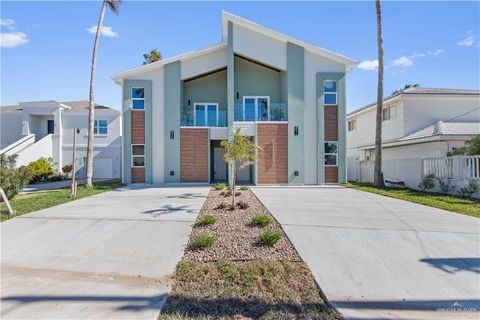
(458, 168)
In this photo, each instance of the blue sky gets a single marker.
(46, 46)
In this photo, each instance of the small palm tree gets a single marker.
(153, 56)
(239, 151)
(377, 171)
(113, 5)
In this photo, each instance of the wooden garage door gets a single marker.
(194, 155)
(272, 138)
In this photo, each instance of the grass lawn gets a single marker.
(45, 199)
(450, 203)
(256, 289)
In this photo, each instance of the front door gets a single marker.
(50, 127)
(219, 165)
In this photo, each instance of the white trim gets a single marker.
(336, 93)
(335, 154)
(206, 104)
(137, 155)
(255, 98)
(137, 99)
(98, 134)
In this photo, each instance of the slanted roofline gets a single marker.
(226, 17)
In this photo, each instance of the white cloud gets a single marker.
(12, 39)
(368, 65)
(430, 53)
(7, 23)
(402, 62)
(467, 41)
(106, 31)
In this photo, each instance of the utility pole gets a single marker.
(73, 188)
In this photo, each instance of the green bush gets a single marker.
(270, 237)
(12, 179)
(427, 183)
(261, 220)
(202, 242)
(244, 188)
(206, 220)
(219, 186)
(469, 188)
(57, 176)
(41, 169)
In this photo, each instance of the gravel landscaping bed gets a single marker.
(236, 237)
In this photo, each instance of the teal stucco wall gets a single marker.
(342, 137)
(172, 104)
(296, 107)
(127, 127)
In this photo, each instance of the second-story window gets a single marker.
(390, 112)
(138, 98)
(330, 93)
(100, 127)
(352, 125)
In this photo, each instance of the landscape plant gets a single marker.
(206, 220)
(239, 151)
(469, 188)
(244, 188)
(41, 169)
(204, 241)
(219, 186)
(67, 169)
(12, 179)
(427, 183)
(445, 186)
(270, 237)
(261, 220)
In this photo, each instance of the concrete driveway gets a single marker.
(380, 258)
(104, 257)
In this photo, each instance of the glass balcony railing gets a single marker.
(210, 119)
(276, 112)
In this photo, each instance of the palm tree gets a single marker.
(113, 5)
(408, 85)
(378, 174)
(153, 56)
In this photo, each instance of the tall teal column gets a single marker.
(230, 78)
(342, 135)
(296, 107)
(127, 127)
(172, 105)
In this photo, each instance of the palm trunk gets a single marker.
(91, 99)
(378, 174)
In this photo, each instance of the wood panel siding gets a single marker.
(331, 123)
(138, 127)
(138, 175)
(193, 155)
(331, 174)
(272, 138)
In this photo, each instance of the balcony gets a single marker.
(256, 112)
(205, 116)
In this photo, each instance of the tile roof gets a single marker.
(444, 129)
(74, 105)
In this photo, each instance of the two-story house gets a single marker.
(417, 123)
(45, 129)
(286, 94)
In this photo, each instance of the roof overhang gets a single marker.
(396, 143)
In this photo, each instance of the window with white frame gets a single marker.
(331, 153)
(100, 127)
(390, 112)
(205, 114)
(138, 98)
(138, 155)
(330, 92)
(352, 125)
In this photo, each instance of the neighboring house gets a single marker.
(45, 129)
(417, 123)
(288, 95)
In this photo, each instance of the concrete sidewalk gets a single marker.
(108, 256)
(54, 185)
(381, 258)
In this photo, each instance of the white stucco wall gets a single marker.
(158, 128)
(421, 150)
(10, 127)
(313, 64)
(259, 47)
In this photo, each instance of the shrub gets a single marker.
(57, 176)
(238, 193)
(261, 220)
(40, 169)
(469, 188)
(219, 186)
(202, 242)
(445, 186)
(221, 206)
(206, 220)
(242, 205)
(12, 179)
(427, 182)
(270, 237)
(67, 169)
(244, 188)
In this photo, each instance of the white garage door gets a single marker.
(102, 167)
